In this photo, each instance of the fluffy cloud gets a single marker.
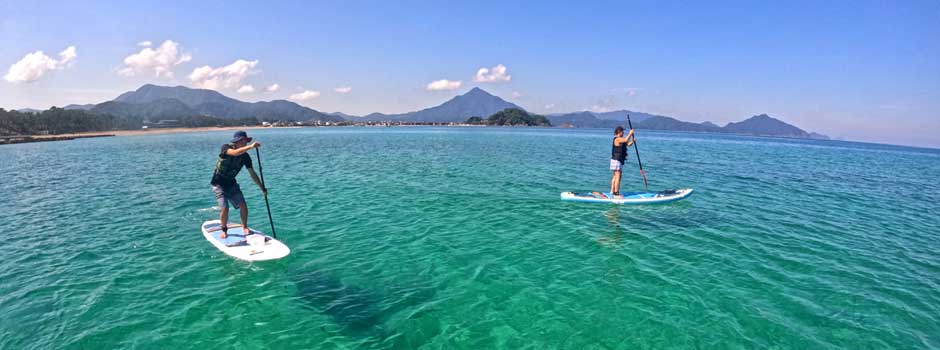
(273, 88)
(246, 89)
(492, 75)
(226, 77)
(343, 89)
(67, 56)
(158, 60)
(306, 95)
(35, 64)
(443, 84)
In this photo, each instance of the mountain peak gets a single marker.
(764, 124)
(474, 103)
(151, 100)
(477, 91)
(191, 97)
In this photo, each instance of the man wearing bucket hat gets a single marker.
(232, 158)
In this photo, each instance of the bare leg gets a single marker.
(244, 212)
(616, 181)
(223, 218)
(613, 183)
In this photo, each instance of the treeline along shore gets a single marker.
(59, 124)
(56, 121)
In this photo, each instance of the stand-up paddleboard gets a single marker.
(628, 197)
(236, 245)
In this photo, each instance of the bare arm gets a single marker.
(626, 139)
(241, 150)
(254, 177)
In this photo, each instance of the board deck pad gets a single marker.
(664, 196)
(236, 246)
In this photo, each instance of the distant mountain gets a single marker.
(621, 115)
(342, 115)
(188, 96)
(164, 108)
(83, 107)
(28, 110)
(375, 117)
(672, 124)
(586, 119)
(474, 103)
(165, 102)
(582, 120)
(764, 125)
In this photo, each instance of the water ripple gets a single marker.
(455, 238)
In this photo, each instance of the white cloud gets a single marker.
(67, 56)
(443, 84)
(343, 89)
(160, 61)
(226, 77)
(273, 88)
(246, 89)
(35, 64)
(145, 43)
(306, 95)
(550, 106)
(516, 94)
(492, 75)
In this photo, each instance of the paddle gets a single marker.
(637, 149)
(261, 173)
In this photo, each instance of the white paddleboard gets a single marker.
(628, 197)
(237, 246)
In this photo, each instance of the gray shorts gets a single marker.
(229, 195)
(615, 165)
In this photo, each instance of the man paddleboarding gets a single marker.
(618, 154)
(232, 158)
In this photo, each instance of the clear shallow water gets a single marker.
(455, 238)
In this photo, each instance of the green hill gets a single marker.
(512, 117)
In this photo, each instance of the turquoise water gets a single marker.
(456, 238)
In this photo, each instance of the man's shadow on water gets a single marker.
(360, 313)
(613, 236)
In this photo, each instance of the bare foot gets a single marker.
(223, 235)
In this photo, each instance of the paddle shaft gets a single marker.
(261, 173)
(635, 148)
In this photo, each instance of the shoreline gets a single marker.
(18, 139)
(154, 131)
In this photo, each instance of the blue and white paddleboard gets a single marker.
(255, 247)
(628, 197)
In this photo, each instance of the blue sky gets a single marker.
(867, 71)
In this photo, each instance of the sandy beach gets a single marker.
(154, 131)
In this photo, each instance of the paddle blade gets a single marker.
(645, 185)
